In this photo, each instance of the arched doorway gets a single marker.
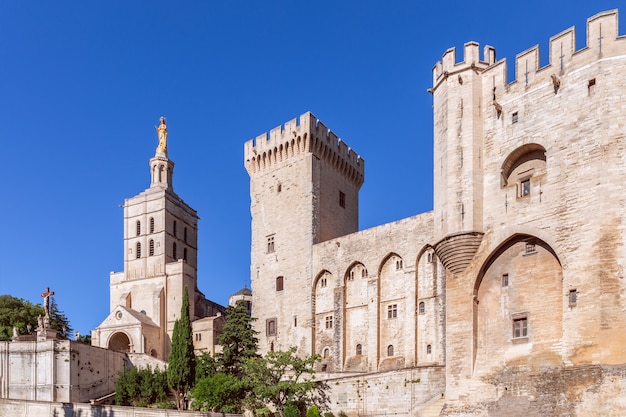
(119, 342)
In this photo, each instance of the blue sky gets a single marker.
(82, 85)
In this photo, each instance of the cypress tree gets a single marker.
(182, 360)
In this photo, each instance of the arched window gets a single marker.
(280, 281)
(364, 273)
(174, 229)
(429, 349)
(138, 250)
(138, 228)
(151, 224)
(185, 254)
(174, 250)
(359, 349)
(390, 350)
(326, 353)
(151, 248)
(422, 307)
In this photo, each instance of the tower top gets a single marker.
(161, 168)
(162, 132)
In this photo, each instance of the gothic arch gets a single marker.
(392, 304)
(518, 306)
(427, 290)
(323, 320)
(355, 310)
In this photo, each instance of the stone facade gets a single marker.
(160, 261)
(57, 370)
(514, 282)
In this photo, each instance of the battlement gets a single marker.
(304, 134)
(603, 41)
(471, 51)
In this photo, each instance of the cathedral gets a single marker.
(508, 298)
(160, 262)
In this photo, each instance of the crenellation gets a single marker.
(527, 65)
(562, 48)
(304, 134)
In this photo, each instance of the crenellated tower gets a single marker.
(304, 189)
(458, 147)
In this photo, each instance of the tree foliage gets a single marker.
(281, 378)
(140, 387)
(21, 313)
(182, 360)
(239, 343)
(238, 340)
(219, 392)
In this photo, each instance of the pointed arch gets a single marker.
(519, 284)
(355, 311)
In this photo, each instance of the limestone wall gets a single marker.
(21, 408)
(57, 371)
(386, 393)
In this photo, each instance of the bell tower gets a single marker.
(160, 260)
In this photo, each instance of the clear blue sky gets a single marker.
(83, 83)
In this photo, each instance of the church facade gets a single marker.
(160, 262)
(508, 297)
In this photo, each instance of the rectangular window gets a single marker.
(270, 326)
(520, 327)
(573, 297)
(505, 280)
(525, 188)
(279, 283)
(270, 244)
(342, 199)
(329, 322)
(530, 248)
(591, 85)
(514, 117)
(392, 311)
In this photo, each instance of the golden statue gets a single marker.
(162, 131)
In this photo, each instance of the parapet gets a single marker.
(602, 41)
(448, 65)
(304, 134)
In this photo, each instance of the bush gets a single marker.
(291, 410)
(313, 411)
(263, 412)
(329, 414)
(342, 414)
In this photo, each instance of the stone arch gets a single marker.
(119, 341)
(392, 297)
(322, 309)
(518, 306)
(355, 312)
(523, 163)
(428, 288)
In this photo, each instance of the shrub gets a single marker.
(313, 411)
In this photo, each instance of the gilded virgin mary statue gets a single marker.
(162, 131)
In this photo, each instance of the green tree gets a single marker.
(221, 385)
(238, 340)
(58, 320)
(182, 360)
(282, 378)
(19, 313)
(218, 392)
(140, 387)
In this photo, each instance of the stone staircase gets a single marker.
(432, 408)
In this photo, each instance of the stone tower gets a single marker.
(304, 185)
(458, 190)
(160, 260)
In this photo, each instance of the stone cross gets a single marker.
(46, 300)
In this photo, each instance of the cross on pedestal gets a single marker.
(46, 300)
